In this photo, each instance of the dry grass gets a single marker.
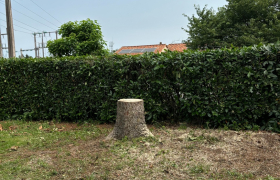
(80, 152)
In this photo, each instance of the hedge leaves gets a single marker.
(236, 87)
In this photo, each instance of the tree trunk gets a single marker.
(130, 120)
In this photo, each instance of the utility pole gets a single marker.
(37, 48)
(35, 45)
(21, 56)
(1, 51)
(111, 45)
(1, 45)
(43, 43)
(10, 29)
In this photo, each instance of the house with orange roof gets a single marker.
(156, 48)
(180, 47)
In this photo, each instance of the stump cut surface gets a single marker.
(130, 120)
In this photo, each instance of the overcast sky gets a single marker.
(124, 22)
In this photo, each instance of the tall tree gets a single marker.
(240, 23)
(78, 38)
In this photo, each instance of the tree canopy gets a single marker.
(239, 23)
(78, 38)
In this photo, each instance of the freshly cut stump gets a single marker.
(130, 120)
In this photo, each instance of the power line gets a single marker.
(46, 12)
(22, 31)
(30, 17)
(34, 13)
(22, 22)
(25, 24)
(22, 27)
(17, 30)
(17, 25)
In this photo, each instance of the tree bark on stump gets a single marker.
(130, 120)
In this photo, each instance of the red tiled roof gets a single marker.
(159, 48)
(177, 47)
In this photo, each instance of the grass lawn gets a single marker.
(47, 150)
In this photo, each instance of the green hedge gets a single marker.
(236, 87)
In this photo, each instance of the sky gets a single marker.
(123, 22)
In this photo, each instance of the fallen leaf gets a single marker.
(192, 138)
(13, 148)
(1, 128)
(60, 129)
(47, 130)
(41, 127)
(12, 128)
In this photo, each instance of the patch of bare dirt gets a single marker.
(253, 152)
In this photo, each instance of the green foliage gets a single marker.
(235, 88)
(240, 23)
(78, 38)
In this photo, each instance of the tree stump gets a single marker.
(130, 120)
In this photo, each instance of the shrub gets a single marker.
(237, 86)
